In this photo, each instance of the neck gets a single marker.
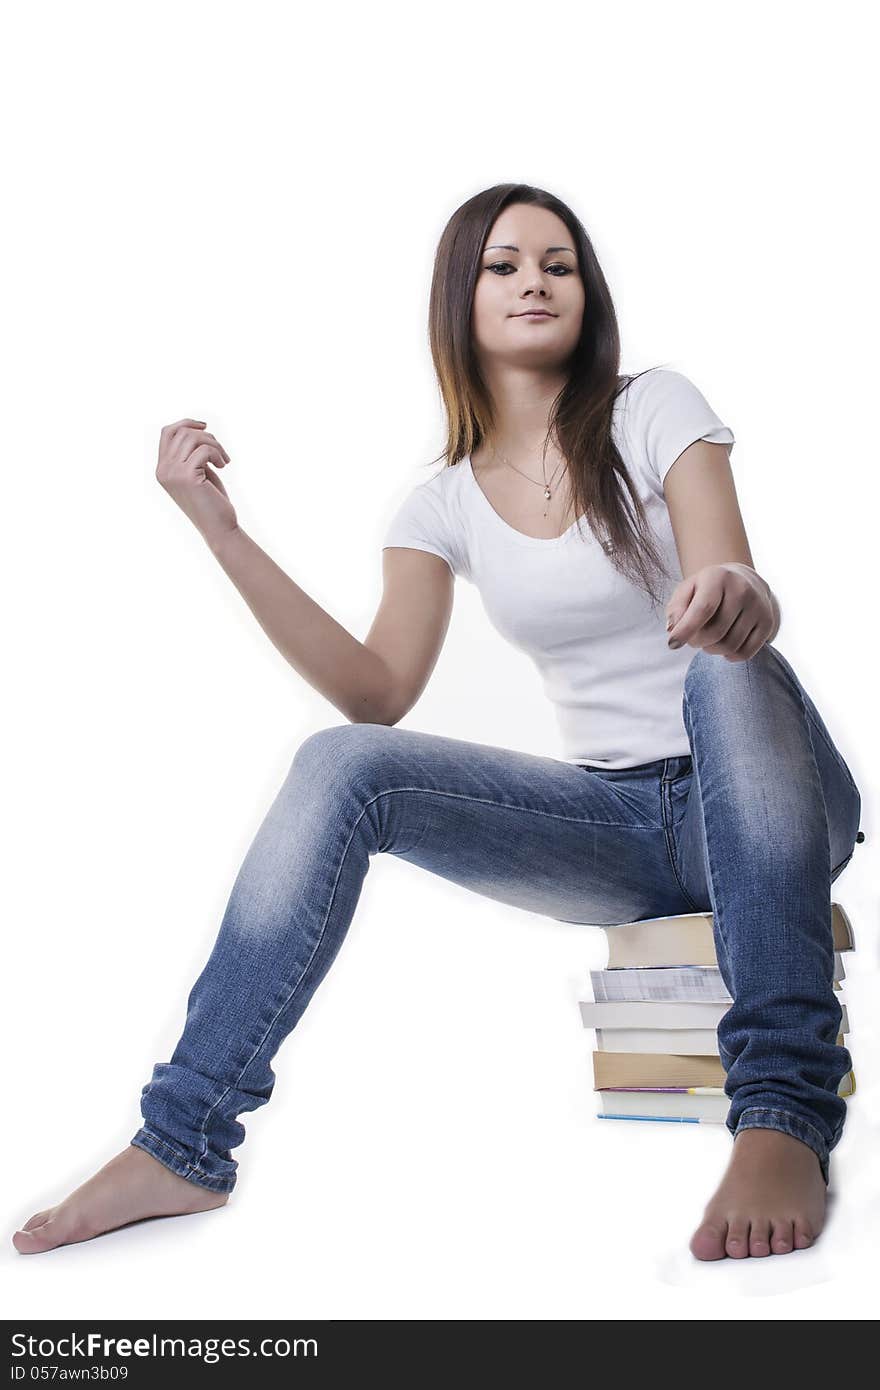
(522, 400)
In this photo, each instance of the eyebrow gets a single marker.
(516, 248)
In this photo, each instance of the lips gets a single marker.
(535, 313)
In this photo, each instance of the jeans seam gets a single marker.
(668, 827)
(776, 1109)
(832, 750)
(835, 753)
(508, 806)
(188, 1167)
(717, 911)
(819, 1145)
(823, 734)
(786, 1114)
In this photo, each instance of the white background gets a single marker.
(231, 213)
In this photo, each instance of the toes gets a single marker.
(38, 1220)
(707, 1242)
(737, 1243)
(759, 1238)
(25, 1240)
(33, 1242)
(803, 1236)
(782, 1239)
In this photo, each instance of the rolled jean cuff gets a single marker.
(177, 1161)
(761, 1117)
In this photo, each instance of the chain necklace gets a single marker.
(607, 545)
(547, 491)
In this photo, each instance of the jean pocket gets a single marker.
(678, 768)
(685, 776)
(835, 873)
(676, 794)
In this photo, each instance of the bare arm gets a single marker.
(341, 668)
(707, 522)
(410, 626)
(371, 682)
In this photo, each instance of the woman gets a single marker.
(698, 773)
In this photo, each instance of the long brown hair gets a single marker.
(581, 412)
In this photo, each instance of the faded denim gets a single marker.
(754, 825)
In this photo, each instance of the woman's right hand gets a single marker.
(185, 451)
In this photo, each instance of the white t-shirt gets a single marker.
(600, 647)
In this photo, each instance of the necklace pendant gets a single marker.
(547, 492)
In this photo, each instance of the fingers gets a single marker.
(169, 429)
(205, 453)
(741, 644)
(180, 440)
(191, 439)
(702, 612)
(752, 645)
(202, 439)
(728, 630)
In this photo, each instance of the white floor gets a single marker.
(431, 1151)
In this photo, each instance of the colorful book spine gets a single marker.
(675, 1090)
(659, 1119)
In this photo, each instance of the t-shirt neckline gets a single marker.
(511, 531)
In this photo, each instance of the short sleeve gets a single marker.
(421, 522)
(667, 413)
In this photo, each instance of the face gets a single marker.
(529, 262)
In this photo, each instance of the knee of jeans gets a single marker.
(343, 755)
(703, 670)
(710, 669)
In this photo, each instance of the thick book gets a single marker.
(689, 939)
(706, 1103)
(653, 1014)
(673, 982)
(655, 1069)
(690, 1041)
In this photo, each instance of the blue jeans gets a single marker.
(754, 825)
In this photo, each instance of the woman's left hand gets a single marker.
(725, 609)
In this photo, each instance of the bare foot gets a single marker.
(771, 1199)
(131, 1187)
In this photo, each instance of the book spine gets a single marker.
(671, 1090)
(658, 1119)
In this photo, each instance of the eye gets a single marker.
(557, 265)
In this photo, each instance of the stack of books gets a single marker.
(656, 1010)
